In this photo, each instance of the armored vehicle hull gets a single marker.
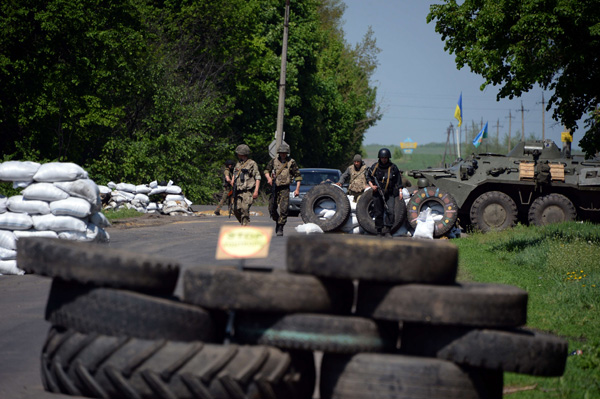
(535, 183)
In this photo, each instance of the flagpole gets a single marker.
(457, 142)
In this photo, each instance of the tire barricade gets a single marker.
(403, 319)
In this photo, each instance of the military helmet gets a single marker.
(422, 182)
(357, 158)
(229, 162)
(384, 153)
(284, 148)
(242, 149)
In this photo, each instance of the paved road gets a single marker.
(192, 241)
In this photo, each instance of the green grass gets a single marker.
(121, 214)
(559, 266)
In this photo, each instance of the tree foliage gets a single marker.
(517, 44)
(139, 90)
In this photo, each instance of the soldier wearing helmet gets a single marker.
(279, 173)
(246, 178)
(390, 181)
(356, 174)
(227, 185)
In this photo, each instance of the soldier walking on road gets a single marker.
(279, 172)
(246, 178)
(356, 174)
(386, 182)
(227, 185)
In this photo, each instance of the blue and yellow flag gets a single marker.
(480, 136)
(458, 111)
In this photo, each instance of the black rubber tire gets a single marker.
(231, 289)
(97, 264)
(551, 208)
(369, 376)
(493, 210)
(433, 196)
(102, 366)
(327, 333)
(325, 192)
(110, 311)
(517, 351)
(463, 304)
(398, 261)
(364, 209)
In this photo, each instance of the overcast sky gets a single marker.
(419, 85)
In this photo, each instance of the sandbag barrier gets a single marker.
(57, 200)
(165, 197)
(413, 326)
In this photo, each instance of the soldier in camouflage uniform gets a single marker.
(356, 174)
(227, 185)
(247, 182)
(280, 172)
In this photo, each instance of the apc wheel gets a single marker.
(369, 376)
(325, 192)
(97, 264)
(109, 311)
(551, 208)
(364, 213)
(516, 350)
(438, 200)
(327, 333)
(493, 210)
(398, 261)
(101, 366)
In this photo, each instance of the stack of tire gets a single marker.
(387, 315)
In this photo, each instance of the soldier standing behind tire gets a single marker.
(356, 174)
(389, 181)
(246, 177)
(280, 172)
(227, 185)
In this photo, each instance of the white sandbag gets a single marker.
(18, 204)
(58, 223)
(188, 202)
(35, 233)
(126, 194)
(10, 267)
(158, 190)
(88, 235)
(425, 225)
(59, 171)
(152, 206)
(142, 189)
(44, 192)
(111, 185)
(18, 170)
(3, 204)
(15, 221)
(142, 198)
(8, 239)
(327, 204)
(81, 188)
(102, 236)
(173, 190)
(153, 184)
(140, 209)
(130, 188)
(7, 254)
(99, 219)
(309, 228)
(77, 207)
(21, 184)
(104, 190)
(174, 197)
(118, 199)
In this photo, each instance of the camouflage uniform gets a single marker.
(358, 180)
(226, 190)
(246, 175)
(285, 171)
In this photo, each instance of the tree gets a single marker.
(517, 44)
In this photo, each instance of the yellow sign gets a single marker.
(410, 144)
(237, 242)
(566, 137)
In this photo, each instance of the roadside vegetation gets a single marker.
(559, 266)
(122, 213)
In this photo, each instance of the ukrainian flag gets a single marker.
(458, 111)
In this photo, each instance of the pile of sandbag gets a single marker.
(57, 200)
(165, 198)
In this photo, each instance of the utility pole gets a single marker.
(281, 106)
(510, 118)
(523, 121)
(498, 133)
(543, 118)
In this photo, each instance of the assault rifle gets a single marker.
(273, 201)
(379, 190)
(233, 192)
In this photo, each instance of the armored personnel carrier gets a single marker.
(535, 183)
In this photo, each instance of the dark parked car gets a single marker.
(310, 178)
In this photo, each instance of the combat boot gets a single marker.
(378, 232)
(386, 232)
(279, 229)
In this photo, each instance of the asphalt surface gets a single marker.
(190, 240)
